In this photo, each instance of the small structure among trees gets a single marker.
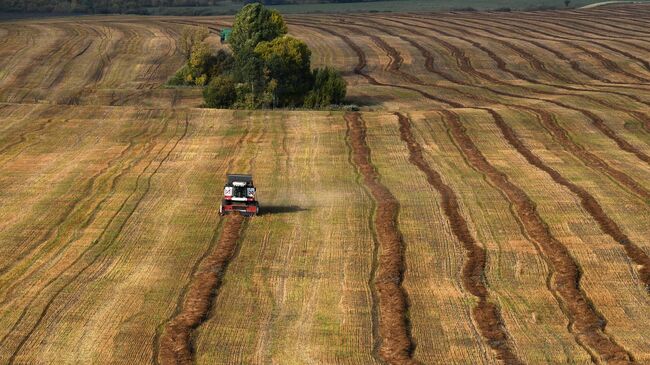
(267, 68)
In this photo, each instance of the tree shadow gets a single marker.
(279, 209)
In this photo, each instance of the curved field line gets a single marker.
(588, 202)
(486, 314)
(89, 218)
(487, 25)
(489, 28)
(576, 25)
(465, 64)
(571, 42)
(41, 56)
(535, 33)
(396, 345)
(85, 224)
(85, 194)
(587, 325)
(534, 62)
(176, 344)
(596, 121)
(147, 187)
(22, 138)
(502, 65)
(550, 124)
(537, 26)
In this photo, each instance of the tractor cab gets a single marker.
(239, 195)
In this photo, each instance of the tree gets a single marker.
(287, 61)
(329, 88)
(222, 63)
(220, 93)
(254, 24)
(566, 3)
(190, 37)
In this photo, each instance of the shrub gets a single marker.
(329, 88)
(221, 63)
(220, 93)
(180, 77)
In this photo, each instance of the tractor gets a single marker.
(239, 196)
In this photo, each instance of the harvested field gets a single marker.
(489, 203)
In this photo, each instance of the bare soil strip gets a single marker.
(588, 202)
(396, 345)
(176, 342)
(587, 325)
(485, 313)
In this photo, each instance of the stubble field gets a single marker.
(488, 204)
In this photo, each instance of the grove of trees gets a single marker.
(266, 69)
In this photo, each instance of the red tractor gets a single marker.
(239, 196)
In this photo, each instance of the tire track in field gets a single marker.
(42, 56)
(56, 63)
(396, 345)
(548, 121)
(176, 342)
(83, 226)
(86, 191)
(486, 313)
(89, 218)
(147, 187)
(585, 323)
(22, 137)
(588, 202)
(158, 61)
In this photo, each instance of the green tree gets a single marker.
(222, 63)
(329, 88)
(190, 37)
(220, 93)
(254, 24)
(287, 61)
